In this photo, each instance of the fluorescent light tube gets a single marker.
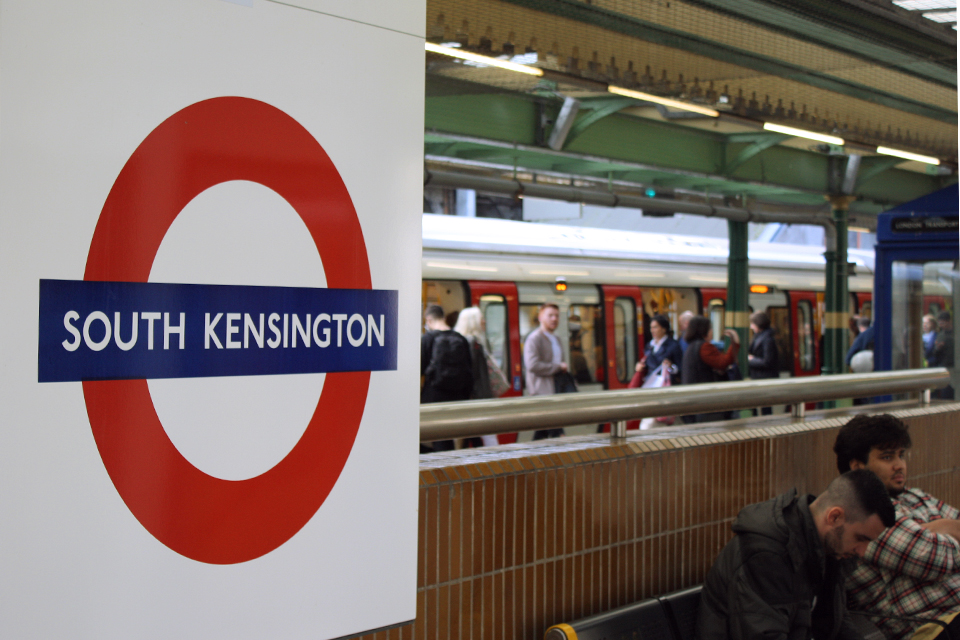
(487, 60)
(800, 133)
(667, 102)
(906, 155)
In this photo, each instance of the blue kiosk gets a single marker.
(916, 273)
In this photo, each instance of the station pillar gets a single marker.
(836, 296)
(737, 315)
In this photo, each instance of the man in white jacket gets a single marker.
(543, 359)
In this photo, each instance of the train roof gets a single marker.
(491, 235)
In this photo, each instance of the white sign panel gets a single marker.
(210, 254)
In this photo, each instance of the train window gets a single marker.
(715, 309)
(624, 338)
(806, 342)
(585, 324)
(494, 309)
(866, 309)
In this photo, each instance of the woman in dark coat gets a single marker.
(763, 359)
(662, 349)
(703, 362)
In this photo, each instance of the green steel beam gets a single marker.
(501, 129)
(750, 151)
(836, 297)
(738, 287)
(598, 109)
(658, 34)
(873, 166)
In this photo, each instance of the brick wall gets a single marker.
(516, 539)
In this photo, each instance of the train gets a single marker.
(609, 283)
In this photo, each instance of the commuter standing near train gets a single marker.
(662, 350)
(763, 360)
(543, 359)
(446, 370)
(488, 379)
(704, 362)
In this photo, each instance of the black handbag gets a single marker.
(563, 382)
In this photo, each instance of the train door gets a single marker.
(714, 306)
(806, 333)
(501, 314)
(622, 307)
(777, 308)
(669, 301)
(581, 330)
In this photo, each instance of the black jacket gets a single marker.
(669, 350)
(767, 364)
(766, 580)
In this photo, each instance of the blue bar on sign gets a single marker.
(137, 330)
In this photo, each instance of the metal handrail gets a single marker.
(446, 420)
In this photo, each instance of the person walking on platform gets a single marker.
(446, 369)
(543, 359)
(704, 362)
(779, 577)
(862, 343)
(488, 379)
(763, 361)
(662, 350)
(913, 569)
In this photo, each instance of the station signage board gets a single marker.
(210, 258)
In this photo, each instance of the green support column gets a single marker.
(836, 297)
(738, 287)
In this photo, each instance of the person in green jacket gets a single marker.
(779, 577)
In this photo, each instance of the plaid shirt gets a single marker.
(909, 571)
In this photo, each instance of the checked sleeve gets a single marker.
(908, 549)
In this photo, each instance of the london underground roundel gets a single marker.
(205, 518)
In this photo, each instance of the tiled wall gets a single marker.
(517, 539)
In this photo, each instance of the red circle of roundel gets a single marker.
(195, 514)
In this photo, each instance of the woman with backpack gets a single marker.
(704, 362)
(488, 380)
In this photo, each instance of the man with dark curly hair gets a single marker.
(913, 568)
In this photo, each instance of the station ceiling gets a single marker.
(868, 71)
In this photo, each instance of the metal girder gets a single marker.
(641, 150)
(874, 166)
(658, 34)
(750, 151)
(599, 108)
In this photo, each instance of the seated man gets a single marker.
(779, 578)
(913, 568)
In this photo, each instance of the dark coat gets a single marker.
(862, 342)
(669, 350)
(764, 582)
(764, 348)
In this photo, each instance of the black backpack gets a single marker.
(450, 364)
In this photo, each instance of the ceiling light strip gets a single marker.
(906, 155)
(487, 60)
(667, 102)
(802, 133)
